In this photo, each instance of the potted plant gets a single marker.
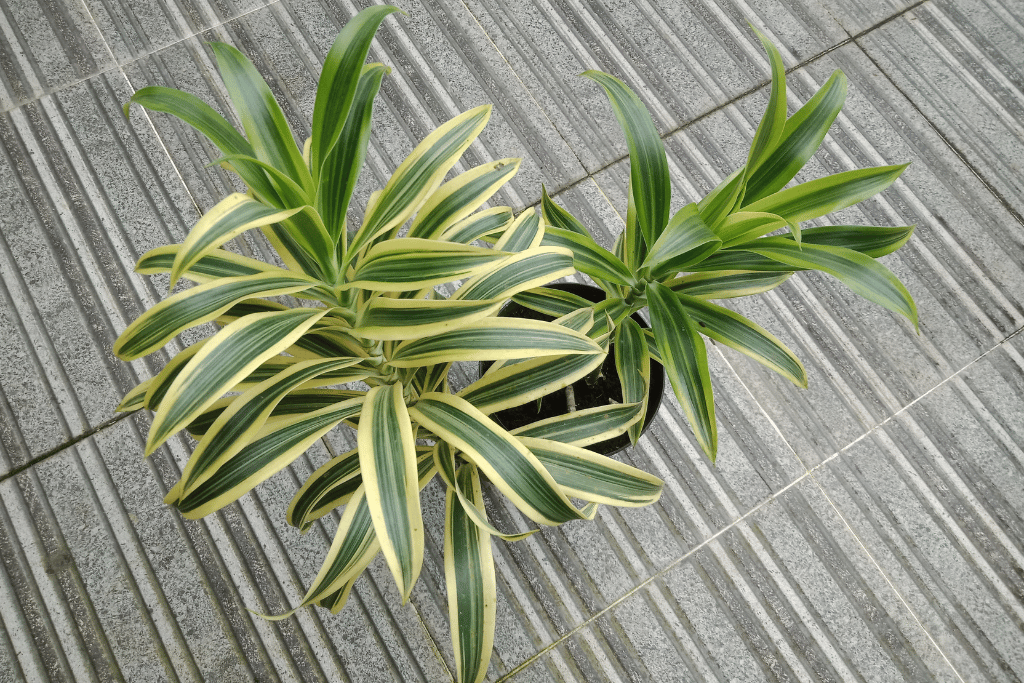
(724, 246)
(363, 306)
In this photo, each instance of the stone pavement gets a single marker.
(870, 528)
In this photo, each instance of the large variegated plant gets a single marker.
(363, 307)
(721, 248)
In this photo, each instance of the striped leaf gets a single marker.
(871, 240)
(418, 176)
(135, 398)
(648, 165)
(721, 201)
(727, 284)
(862, 274)
(633, 365)
(772, 126)
(750, 339)
(245, 416)
(338, 84)
(825, 195)
(297, 402)
(686, 363)
(480, 224)
(630, 246)
(341, 166)
(652, 346)
(470, 581)
(225, 359)
(460, 197)
(553, 302)
(517, 273)
(387, 461)
(214, 265)
(264, 123)
(506, 462)
(557, 217)
(290, 192)
(207, 121)
(331, 485)
(444, 458)
(399, 319)
(686, 239)
(308, 231)
(494, 339)
(801, 137)
(588, 256)
(585, 427)
(526, 232)
(165, 378)
(593, 477)
(295, 257)
(274, 448)
(198, 305)
(410, 263)
(527, 381)
(743, 226)
(232, 216)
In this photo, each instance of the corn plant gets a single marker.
(722, 247)
(351, 327)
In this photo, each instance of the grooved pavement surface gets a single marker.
(870, 528)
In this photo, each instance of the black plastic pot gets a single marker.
(586, 395)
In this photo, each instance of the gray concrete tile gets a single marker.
(963, 265)
(962, 64)
(432, 80)
(85, 194)
(134, 28)
(682, 59)
(935, 497)
(46, 45)
(857, 16)
(114, 585)
(787, 594)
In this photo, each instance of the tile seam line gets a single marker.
(736, 98)
(31, 462)
(808, 474)
(942, 136)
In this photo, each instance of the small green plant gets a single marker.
(721, 248)
(363, 307)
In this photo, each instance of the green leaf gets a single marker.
(527, 381)
(648, 164)
(261, 116)
(526, 232)
(291, 194)
(770, 129)
(418, 176)
(593, 477)
(553, 302)
(727, 284)
(246, 414)
(825, 195)
(337, 480)
(743, 226)
(585, 427)
(340, 169)
(198, 305)
(861, 273)
(750, 339)
(214, 265)
(135, 398)
(232, 216)
(873, 241)
(469, 577)
(410, 264)
(225, 359)
(557, 217)
(339, 80)
(207, 121)
(686, 239)
(519, 272)
(801, 137)
(686, 363)
(276, 446)
(481, 223)
(398, 319)
(588, 256)
(720, 202)
(387, 459)
(507, 463)
(493, 339)
(460, 197)
(633, 365)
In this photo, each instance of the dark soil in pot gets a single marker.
(605, 390)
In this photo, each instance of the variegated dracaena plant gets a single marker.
(721, 247)
(275, 377)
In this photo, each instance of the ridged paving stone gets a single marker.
(787, 594)
(935, 497)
